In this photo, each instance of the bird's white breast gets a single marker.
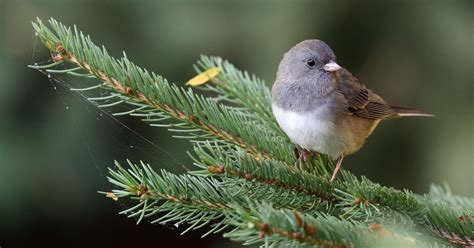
(312, 131)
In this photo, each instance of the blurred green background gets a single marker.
(55, 147)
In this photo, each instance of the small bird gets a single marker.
(322, 107)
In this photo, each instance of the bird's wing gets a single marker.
(361, 101)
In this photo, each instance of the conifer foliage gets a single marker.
(247, 184)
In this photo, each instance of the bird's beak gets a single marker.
(331, 66)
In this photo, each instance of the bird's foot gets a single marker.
(303, 156)
(336, 170)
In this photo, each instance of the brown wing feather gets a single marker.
(361, 101)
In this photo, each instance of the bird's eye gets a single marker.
(311, 62)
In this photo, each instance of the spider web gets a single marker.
(123, 134)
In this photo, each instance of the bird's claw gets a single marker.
(303, 156)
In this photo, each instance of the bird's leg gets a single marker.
(306, 154)
(301, 154)
(297, 151)
(336, 170)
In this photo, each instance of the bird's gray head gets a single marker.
(308, 61)
(307, 67)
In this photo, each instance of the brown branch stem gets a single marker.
(219, 169)
(62, 54)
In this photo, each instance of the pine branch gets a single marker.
(237, 87)
(359, 200)
(455, 211)
(200, 202)
(442, 194)
(190, 196)
(156, 99)
(246, 176)
(193, 200)
(236, 163)
(261, 223)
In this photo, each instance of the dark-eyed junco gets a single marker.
(322, 107)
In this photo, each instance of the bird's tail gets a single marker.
(402, 112)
